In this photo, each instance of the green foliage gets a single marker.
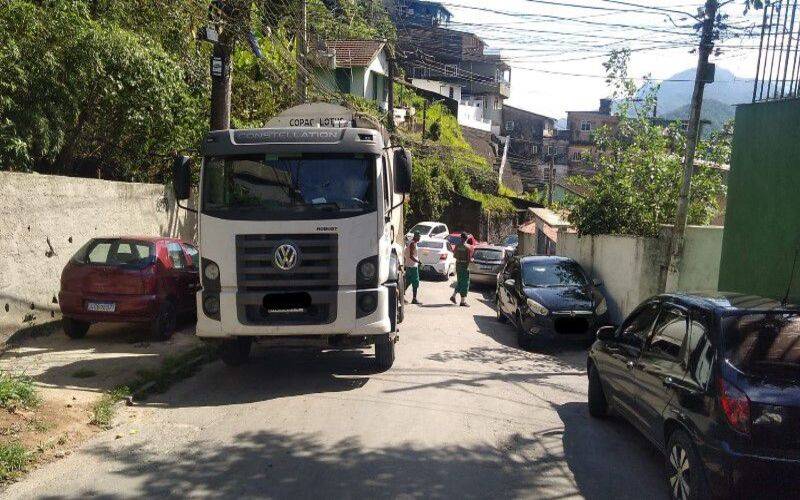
(362, 20)
(17, 391)
(104, 409)
(640, 169)
(13, 459)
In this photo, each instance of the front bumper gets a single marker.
(562, 326)
(345, 322)
(731, 472)
(129, 308)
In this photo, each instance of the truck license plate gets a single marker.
(108, 307)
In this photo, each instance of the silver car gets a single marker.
(487, 261)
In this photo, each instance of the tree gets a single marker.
(636, 187)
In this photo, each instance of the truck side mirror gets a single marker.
(182, 177)
(402, 171)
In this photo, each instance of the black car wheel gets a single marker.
(685, 475)
(598, 404)
(523, 338)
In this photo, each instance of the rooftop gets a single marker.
(355, 53)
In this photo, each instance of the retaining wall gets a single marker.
(45, 219)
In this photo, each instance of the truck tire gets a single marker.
(236, 351)
(401, 298)
(74, 328)
(384, 352)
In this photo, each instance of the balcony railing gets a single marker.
(778, 71)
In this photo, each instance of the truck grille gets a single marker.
(316, 270)
(261, 283)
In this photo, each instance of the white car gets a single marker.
(435, 257)
(429, 230)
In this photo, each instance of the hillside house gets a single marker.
(359, 68)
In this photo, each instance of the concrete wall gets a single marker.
(46, 219)
(762, 220)
(633, 268)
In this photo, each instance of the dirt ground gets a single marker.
(70, 377)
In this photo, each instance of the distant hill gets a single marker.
(714, 111)
(719, 99)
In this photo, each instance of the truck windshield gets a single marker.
(309, 186)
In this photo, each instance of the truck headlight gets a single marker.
(602, 307)
(367, 273)
(211, 271)
(537, 308)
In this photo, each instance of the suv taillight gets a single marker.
(735, 405)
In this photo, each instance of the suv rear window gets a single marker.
(116, 252)
(764, 344)
(431, 244)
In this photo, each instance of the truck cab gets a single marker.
(300, 232)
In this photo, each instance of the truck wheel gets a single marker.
(163, 326)
(236, 351)
(74, 328)
(384, 352)
(401, 298)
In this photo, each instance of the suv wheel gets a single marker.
(74, 328)
(598, 404)
(685, 476)
(384, 352)
(236, 351)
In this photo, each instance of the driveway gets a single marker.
(463, 413)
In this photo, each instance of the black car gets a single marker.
(714, 382)
(549, 298)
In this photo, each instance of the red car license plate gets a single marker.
(108, 307)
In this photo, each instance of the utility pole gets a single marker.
(390, 90)
(302, 52)
(221, 84)
(703, 74)
(551, 180)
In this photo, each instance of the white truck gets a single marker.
(300, 232)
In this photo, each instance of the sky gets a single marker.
(548, 43)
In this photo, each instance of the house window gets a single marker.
(586, 126)
(576, 155)
(551, 150)
(510, 126)
(498, 104)
(534, 149)
(452, 92)
(450, 69)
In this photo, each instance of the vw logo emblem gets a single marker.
(286, 257)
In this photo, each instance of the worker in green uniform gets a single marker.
(411, 261)
(463, 253)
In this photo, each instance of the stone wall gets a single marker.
(46, 219)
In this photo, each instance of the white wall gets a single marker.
(441, 88)
(47, 218)
(633, 268)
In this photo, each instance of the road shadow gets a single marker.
(273, 373)
(583, 458)
(111, 354)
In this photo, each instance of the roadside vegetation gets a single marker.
(640, 167)
(17, 391)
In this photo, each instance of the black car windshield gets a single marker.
(552, 274)
(289, 186)
(764, 344)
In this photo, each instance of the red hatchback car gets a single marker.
(129, 279)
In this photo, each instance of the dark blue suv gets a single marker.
(714, 382)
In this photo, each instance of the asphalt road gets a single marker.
(463, 413)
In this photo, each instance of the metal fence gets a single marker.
(778, 72)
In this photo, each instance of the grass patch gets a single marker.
(13, 459)
(105, 407)
(172, 369)
(84, 373)
(16, 391)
